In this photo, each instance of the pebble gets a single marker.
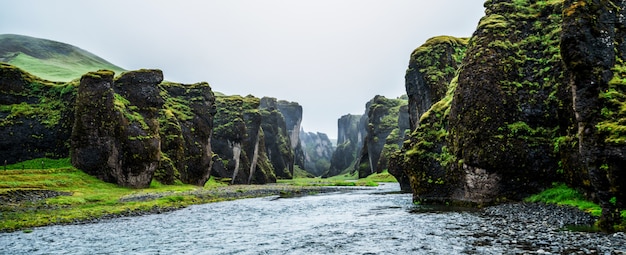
(534, 228)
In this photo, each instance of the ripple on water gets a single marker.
(371, 221)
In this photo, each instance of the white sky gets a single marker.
(331, 56)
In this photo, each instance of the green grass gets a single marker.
(61, 68)
(90, 197)
(342, 180)
(560, 194)
(41, 163)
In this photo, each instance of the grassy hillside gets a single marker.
(48, 59)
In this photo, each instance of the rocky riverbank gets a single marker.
(25, 200)
(533, 228)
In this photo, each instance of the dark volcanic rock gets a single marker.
(382, 121)
(238, 142)
(431, 68)
(318, 151)
(292, 112)
(186, 133)
(277, 140)
(593, 48)
(114, 139)
(36, 116)
(538, 98)
(349, 141)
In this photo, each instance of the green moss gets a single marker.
(129, 111)
(613, 125)
(561, 194)
(51, 103)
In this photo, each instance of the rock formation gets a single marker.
(593, 48)
(536, 99)
(186, 125)
(113, 138)
(292, 112)
(349, 140)
(318, 151)
(36, 116)
(278, 142)
(382, 120)
(239, 142)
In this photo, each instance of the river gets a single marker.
(370, 221)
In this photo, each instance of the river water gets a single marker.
(371, 221)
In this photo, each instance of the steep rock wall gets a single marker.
(431, 68)
(593, 50)
(382, 119)
(36, 116)
(238, 142)
(292, 112)
(112, 138)
(318, 151)
(537, 99)
(349, 140)
(186, 125)
(280, 148)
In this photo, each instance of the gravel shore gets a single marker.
(534, 228)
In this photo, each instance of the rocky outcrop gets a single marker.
(431, 68)
(278, 142)
(593, 48)
(382, 119)
(113, 138)
(292, 112)
(537, 99)
(36, 116)
(239, 142)
(186, 125)
(349, 140)
(318, 150)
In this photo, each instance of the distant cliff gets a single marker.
(239, 141)
(349, 141)
(535, 100)
(382, 119)
(318, 151)
(366, 142)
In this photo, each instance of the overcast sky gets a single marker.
(331, 56)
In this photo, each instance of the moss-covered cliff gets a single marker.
(36, 116)
(186, 125)
(432, 67)
(318, 151)
(536, 99)
(593, 48)
(382, 120)
(349, 140)
(239, 141)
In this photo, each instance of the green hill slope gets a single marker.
(48, 59)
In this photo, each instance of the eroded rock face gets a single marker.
(186, 122)
(113, 138)
(239, 142)
(292, 112)
(36, 116)
(593, 50)
(497, 116)
(349, 140)
(527, 110)
(277, 138)
(431, 68)
(318, 150)
(382, 119)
